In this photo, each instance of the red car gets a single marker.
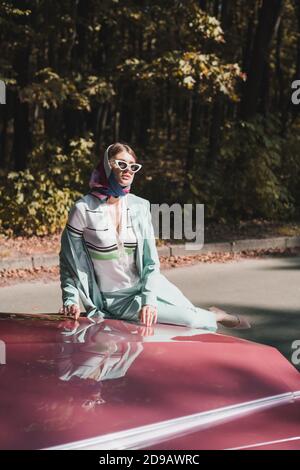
(119, 385)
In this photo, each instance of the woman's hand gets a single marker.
(71, 311)
(148, 315)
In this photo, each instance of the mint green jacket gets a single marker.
(76, 268)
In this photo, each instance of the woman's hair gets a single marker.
(120, 147)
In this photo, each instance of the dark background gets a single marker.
(201, 90)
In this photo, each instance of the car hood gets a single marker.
(102, 384)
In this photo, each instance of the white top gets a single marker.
(113, 255)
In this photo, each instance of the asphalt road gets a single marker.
(266, 291)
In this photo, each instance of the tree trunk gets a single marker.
(217, 118)
(295, 108)
(193, 134)
(3, 133)
(203, 5)
(268, 16)
(22, 137)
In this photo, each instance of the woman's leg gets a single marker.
(185, 315)
(169, 293)
(126, 305)
(173, 308)
(122, 304)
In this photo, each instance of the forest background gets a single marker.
(200, 89)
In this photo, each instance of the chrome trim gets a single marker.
(260, 444)
(152, 434)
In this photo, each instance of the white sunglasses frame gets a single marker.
(128, 165)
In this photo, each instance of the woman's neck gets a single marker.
(113, 200)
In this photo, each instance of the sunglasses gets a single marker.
(122, 165)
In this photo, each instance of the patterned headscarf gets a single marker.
(103, 182)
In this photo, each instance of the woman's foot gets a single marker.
(228, 320)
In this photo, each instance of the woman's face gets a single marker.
(124, 177)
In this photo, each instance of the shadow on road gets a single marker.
(291, 263)
(273, 327)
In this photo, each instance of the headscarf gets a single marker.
(103, 182)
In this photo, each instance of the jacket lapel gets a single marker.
(135, 215)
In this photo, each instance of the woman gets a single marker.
(109, 260)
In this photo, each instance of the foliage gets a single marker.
(37, 200)
(252, 168)
(170, 78)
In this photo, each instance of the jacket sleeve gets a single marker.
(70, 294)
(151, 263)
(75, 226)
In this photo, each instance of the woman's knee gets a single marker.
(201, 319)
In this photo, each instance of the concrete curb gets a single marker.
(51, 260)
(30, 262)
(238, 246)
